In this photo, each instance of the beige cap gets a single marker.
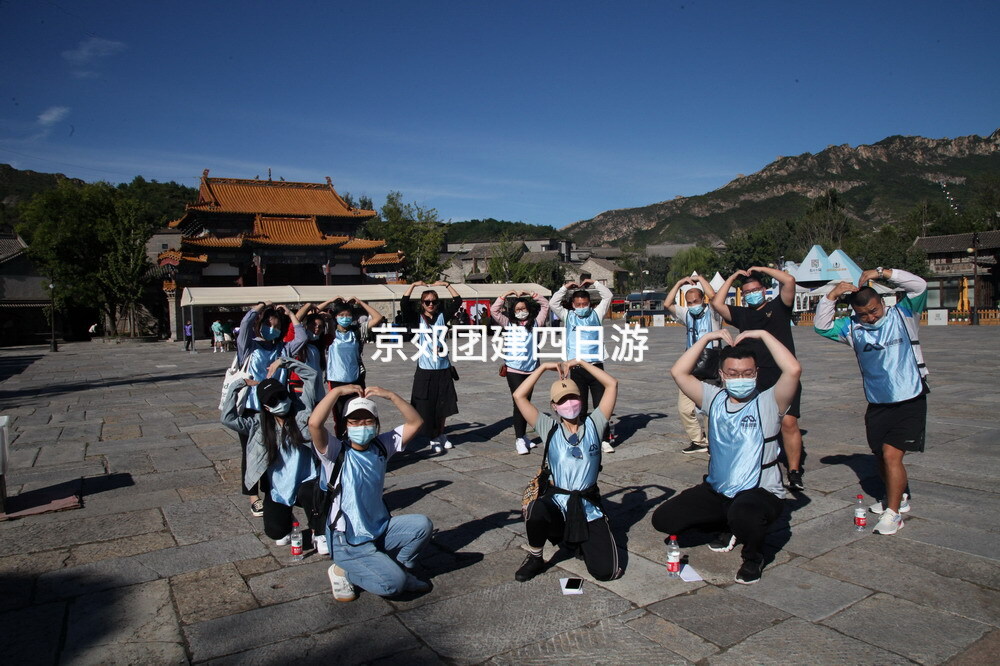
(562, 388)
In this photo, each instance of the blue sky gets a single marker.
(545, 112)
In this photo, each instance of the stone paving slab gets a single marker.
(923, 634)
(162, 511)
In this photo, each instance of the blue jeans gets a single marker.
(375, 566)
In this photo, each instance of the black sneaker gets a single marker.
(694, 448)
(795, 479)
(531, 567)
(749, 573)
(723, 543)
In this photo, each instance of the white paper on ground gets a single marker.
(562, 584)
(690, 575)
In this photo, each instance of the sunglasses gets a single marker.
(432, 301)
(576, 451)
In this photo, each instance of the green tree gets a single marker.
(504, 265)
(415, 230)
(124, 272)
(826, 224)
(702, 260)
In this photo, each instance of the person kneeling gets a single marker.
(570, 510)
(370, 548)
(743, 492)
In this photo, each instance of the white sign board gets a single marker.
(937, 317)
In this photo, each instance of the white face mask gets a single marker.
(521, 314)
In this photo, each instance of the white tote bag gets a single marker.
(232, 374)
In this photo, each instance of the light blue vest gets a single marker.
(362, 481)
(429, 359)
(889, 367)
(260, 359)
(292, 466)
(698, 326)
(571, 473)
(342, 357)
(522, 343)
(736, 440)
(589, 351)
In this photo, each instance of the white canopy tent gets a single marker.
(370, 293)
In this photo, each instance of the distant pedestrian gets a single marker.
(188, 336)
(518, 315)
(433, 394)
(370, 548)
(218, 336)
(886, 343)
(775, 317)
(577, 312)
(699, 318)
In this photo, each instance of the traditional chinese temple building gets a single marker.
(266, 233)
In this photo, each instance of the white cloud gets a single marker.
(91, 50)
(52, 115)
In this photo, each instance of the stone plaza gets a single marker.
(164, 563)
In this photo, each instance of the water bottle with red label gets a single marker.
(860, 514)
(673, 558)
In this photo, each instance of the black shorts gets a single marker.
(902, 425)
(768, 377)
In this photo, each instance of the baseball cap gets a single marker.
(270, 390)
(562, 388)
(359, 404)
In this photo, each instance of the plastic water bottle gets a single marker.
(296, 540)
(673, 558)
(611, 432)
(860, 514)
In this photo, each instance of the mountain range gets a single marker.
(876, 183)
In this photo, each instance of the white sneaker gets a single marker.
(531, 443)
(283, 541)
(521, 446)
(607, 448)
(878, 507)
(890, 523)
(437, 448)
(448, 445)
(342, 588)
(320, 542)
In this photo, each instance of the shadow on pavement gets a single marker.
(629, 424)
(864, 466)
(15, 365)
(71, 387)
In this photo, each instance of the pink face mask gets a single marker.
(570, 409)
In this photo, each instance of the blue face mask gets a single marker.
(270, 333)
(582, 312)
(877, 324)
(281, 408)
(740, 388)
(696, 310)
(345, 321)
(361, 435)
(755, 298)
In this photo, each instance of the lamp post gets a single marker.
(974, 307)
(52, 318)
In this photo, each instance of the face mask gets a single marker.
(361, 435)
(569, 409)
(281, 408)
(755, 298)
(270, 333)
(345, 322)
(582, 312)
(875, 325)
(741, 387)
(313, 337)
(521, 314)
(696, 310)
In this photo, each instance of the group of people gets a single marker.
(312, 435)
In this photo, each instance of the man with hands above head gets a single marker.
(775, 317)
(433, 393)
(699, 318)
(369, 547)
(575, 310)
(742, 493)
(885, 341)
(569, 512)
